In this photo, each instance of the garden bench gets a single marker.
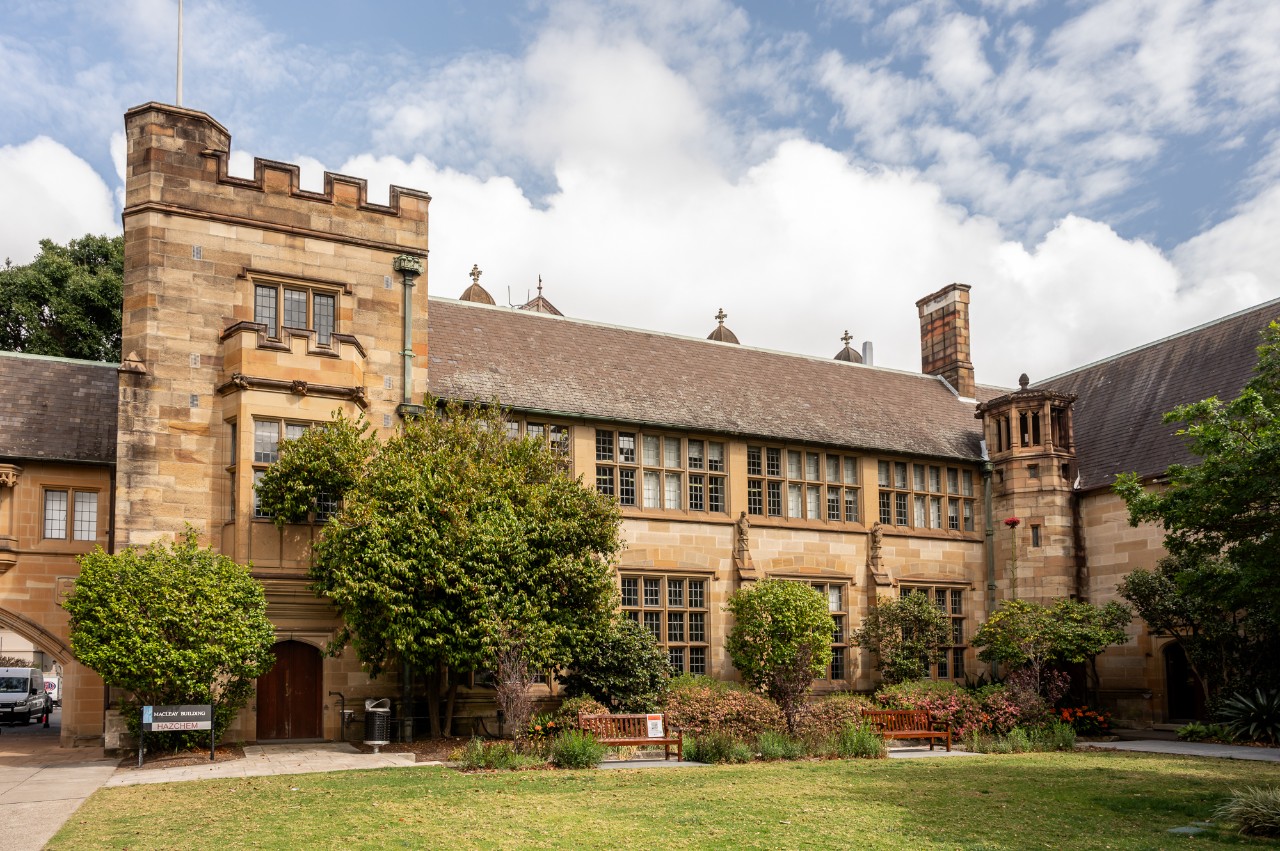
(908, 724)
(633, 730)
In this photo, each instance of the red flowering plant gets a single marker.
(1012, 522)
(542, 726)
(1086, 721)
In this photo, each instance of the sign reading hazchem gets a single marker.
(164, 719)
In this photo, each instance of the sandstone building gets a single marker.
(254, 308)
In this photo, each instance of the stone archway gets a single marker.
(47, 641)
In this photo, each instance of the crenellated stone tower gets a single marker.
(1031, 447)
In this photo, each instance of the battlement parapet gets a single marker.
(178, 162)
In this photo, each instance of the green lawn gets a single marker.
(1064, 800)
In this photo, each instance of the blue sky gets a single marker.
(1102, 173)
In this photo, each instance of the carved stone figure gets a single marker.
(744, 534)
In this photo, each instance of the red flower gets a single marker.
(1012, 522)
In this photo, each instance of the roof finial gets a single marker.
(846, 338)
(1023, 381)
(476, 273)
(721, 316)
(539, 285)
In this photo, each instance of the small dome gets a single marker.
(720, 333)
(847, 354)
(475, 292)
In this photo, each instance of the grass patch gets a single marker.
(1059, 800)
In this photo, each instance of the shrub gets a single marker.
(576, 749)
(780, 640)
(1254, 811)
(701, 705)
(566, 717)
(860, 741)
(999, 713)
(625, 669)
(1254, 718)
(946, 701)
(773, 745)
(717, 747)
(906, 635)
(1019, 741)
(542, 727)
(827, 715)
(1055, 736)
(1086, 721)
(478, 754)
(1197, 732)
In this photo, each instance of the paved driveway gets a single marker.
(42, 784)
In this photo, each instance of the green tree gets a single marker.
(172, 624)
(1220, 594)
(67, 301)
(1231, 638)
(780, 640)
(456, 549)
(1228, 504)
(1022, 634)
(907, 635)
(626, 669)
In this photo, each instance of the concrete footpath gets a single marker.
(41, 785)
(1178, 748)
(265, 760)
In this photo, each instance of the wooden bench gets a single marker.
(908, 724)
(633, 730)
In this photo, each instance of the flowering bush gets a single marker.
(542, 726)
(1000, 713)
(946, 701)
(701, 705)
(566, 716)
(828, 715)
(1086, 721)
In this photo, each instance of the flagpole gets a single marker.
(179, 101)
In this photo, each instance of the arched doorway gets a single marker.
(1182, 686)
(289, 695)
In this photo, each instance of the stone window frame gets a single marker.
(258, 465)
(70, 507)
(953, 665)
(838, 671)
(924, 494)
(772, 479)
(557, 434)
(312, 291)
(697, 467)
(681, 647)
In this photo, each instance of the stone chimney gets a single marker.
(944, 337)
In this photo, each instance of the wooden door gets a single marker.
(289, 700)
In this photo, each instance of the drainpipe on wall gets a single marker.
(987, 469)
(409, 267)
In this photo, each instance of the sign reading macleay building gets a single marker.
(253, 309)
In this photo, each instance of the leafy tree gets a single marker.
(1024, 635)
(780, 640)
(1230, 636)
(172, 624)
(626, 669)
(455, 549)
(907, 635)
(67, 301)
(1227, 505)
(1220, 594)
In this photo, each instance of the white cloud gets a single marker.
(47, 192)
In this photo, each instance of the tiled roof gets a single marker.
(552, 364)
(57, 409)
(1118, 417)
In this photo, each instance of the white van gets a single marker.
(22, 695)
(53, 688)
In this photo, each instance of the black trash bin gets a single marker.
(377, 723)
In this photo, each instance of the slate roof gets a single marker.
(57, 409)
(1122, 399)
(564, 366)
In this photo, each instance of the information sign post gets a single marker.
(175, 719)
